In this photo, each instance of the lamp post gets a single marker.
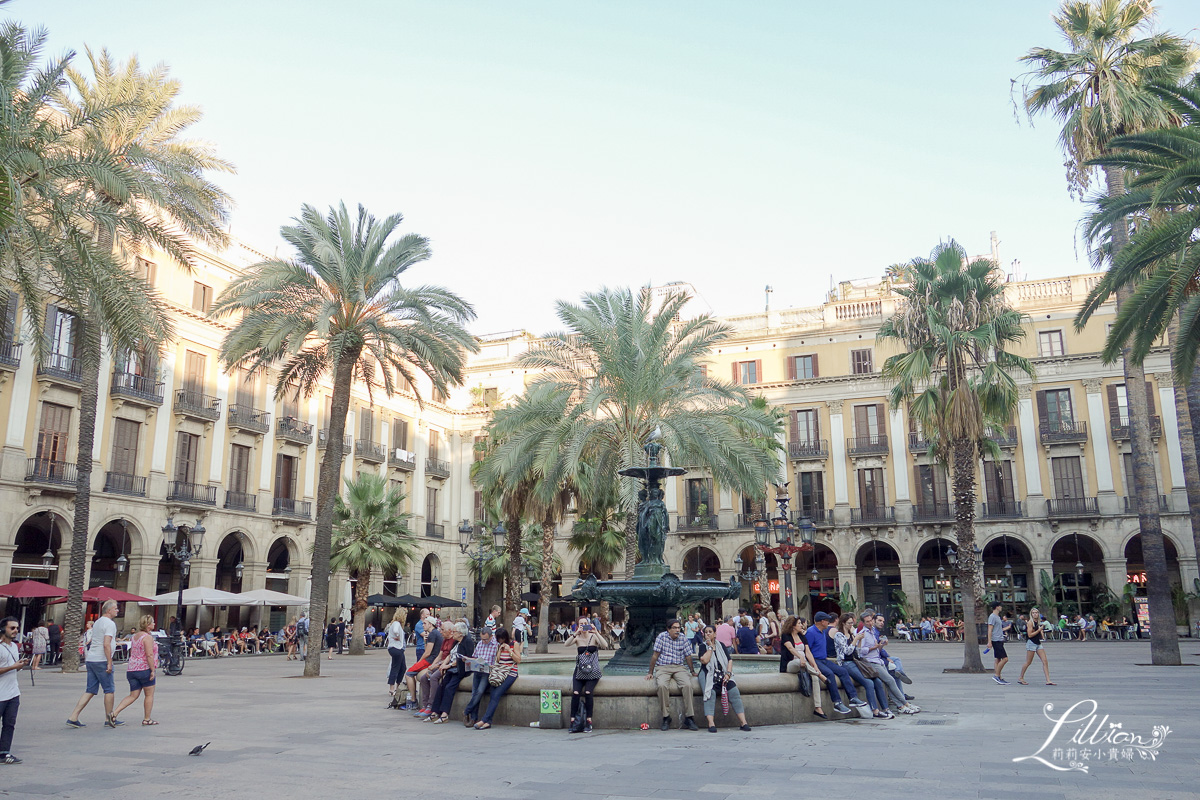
(785, 541)
(479, 555)
(182, 548)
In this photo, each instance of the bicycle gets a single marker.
(171, 658)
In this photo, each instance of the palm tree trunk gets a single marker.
(964, 532)
(1164, 642)
(1192, 393)
(330, 480)
(515, 577)
(362, 586)
(89, 399)
(543, 629)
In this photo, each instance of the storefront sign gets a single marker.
(1142, 604)
(772, 587)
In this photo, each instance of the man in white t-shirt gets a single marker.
(11, 665)
(521, 627)
(99, 663)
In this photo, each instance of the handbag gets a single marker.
(499, 673)
(867, 669)
(806, 685)
(587, 667)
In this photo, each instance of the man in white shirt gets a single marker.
(11, 665)
(99, 662)
(521, 627)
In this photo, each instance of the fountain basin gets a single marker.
(565, 665)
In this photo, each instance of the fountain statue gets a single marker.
(653, 595)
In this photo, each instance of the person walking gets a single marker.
(1034, 646)
(54, 652)
(671, 653)
(302, 635)
(586, 675)
(995, 626)
(331, 637)
(99, 663)
(395, 647)
(11, 665)
(140, 669)
(341, 635)
(520, 628)
(41, 642)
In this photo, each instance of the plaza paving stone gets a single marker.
(277, 735)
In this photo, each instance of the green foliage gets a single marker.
(846, 600)
(1105, 603)
(1047, 603)
(371, 531)
(900, 606)
(496, 563)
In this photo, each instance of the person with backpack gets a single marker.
(302, 635)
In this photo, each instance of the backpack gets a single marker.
(302, 627)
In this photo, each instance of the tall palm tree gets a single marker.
(625, 366)
(370, 534)
(599, 539)
(510, 495)
(1098, 89)
(338, 309)
(957, 332)
(166, 201)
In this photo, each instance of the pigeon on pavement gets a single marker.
(198, 749)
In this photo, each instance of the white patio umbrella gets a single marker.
(198, 596)
(267, 597)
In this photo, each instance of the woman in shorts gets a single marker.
(139, 671)
(1033, 644)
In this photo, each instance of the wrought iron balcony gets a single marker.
(10, 354)
(291, 509)
(191, 403)
(323, 439)
(119, 483)
(241, 501)
(1164, 504)
(435, 531)
(933, 512)
(437, 468)
(194, 494)
(138, 388)
(808, 449)
(406, 463)
(249, 419)
(820, 517)
(59, 367)
(1063, 432)
(917, 443)
(1009, 509)
(1120, 427)
(873, 515)
(372, 452)
(51, 473)
(1072, 507)
(696, 522)
(1005, 438)
(875, 445)
(293, 430)
(746, 520)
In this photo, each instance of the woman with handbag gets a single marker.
(846, 642)
(587, 673)
(716, 679)
(503, 675)
(796, 658)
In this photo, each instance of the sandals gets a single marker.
(482, 726)
(149, 722)
(1051, 683)
(1023, 683)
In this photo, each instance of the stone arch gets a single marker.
(878, 565)
(282, 553)
(431, 566)
(1008, 573)
(700, 562)
(112, 546)
(1169, 540)
(1135, 563)
(1077, 563)
(140, 539)
(939, 596)
(44, 530)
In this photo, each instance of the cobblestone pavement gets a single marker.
(277, 735)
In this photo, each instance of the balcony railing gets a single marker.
(60, 367)
(435, 531)
(933, 512)
(696, 522)
(323, 439)
(406, 463)
(802, 449)
(191, 403)
(292, 509)
(192, 493)
(249, 419)
(821, 517)
(119, 483)
(291, 429)
(917, 443)
(873, 515)
(1120, 427)
(1009, 509)
(1164, 504)
(745, 520)
(55, 473)
(1072, 507)
(241, 501)
(10, 354)
(1063, 432)
(1005, 438)
(868, 445)
(138, 388)
(437, 468)
(370, 451)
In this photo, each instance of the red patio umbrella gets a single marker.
(30, 590)
(98, 594)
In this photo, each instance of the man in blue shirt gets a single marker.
(818, 644)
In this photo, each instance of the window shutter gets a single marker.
(791, 368)
(1150, 407)
(794, 432)
(736, 373)
(881, 415)
(816, 419)
(124, 449)
(294, 473)
(860, 421)
(704, 371)
(1043, 414)
(279, 474)
(48, 326)
(921, 498)
(758, 373)
(816, 372)
(1114, 405)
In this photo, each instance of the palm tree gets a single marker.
(626, 366)
(509, 495)
(164, 200)
(957, 331)
(337, 309)
(599, 539)
(1098, 89)
(370, 534)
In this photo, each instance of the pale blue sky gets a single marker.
(549, 148)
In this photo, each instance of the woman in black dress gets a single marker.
(586, 675)
(331, 636)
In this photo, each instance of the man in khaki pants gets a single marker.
(667, 663)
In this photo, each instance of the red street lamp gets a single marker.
(786, 546)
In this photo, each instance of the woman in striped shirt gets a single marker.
(507, 653)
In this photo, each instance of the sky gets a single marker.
(549, 149)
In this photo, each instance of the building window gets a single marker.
(803, 367)
(699, 494)
(187, 457)
(931, 487)
(998, 485)
(431, 503)
(400, 434)
(145, 269)
(1050, 343)
(53, 432)
(806, 426)
(747, 372)
(202, 296)
(62, 333)
(239, 468)
(245, 387)
(124, 447)
(861, 362)
(1068, 477)
(366, 424)
(194, 367)
(435, 443)
(812, 492)
(868, 422)
(1056, 410)
(290, 406)
(286, 474)
(871, 497)
(491, 395)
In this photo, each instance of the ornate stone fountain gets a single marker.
(653, 595)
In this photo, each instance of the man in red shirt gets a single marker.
(726, 633)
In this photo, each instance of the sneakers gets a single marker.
(909, 697)
(999, 680)
(841, 708)
(858, 702)
(745, 728)
(910, 709)
(74, 723)
(587, 727)
(9, 758)
(903, 678)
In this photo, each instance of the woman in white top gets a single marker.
(395, 648)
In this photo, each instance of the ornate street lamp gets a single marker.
(478, 555)
(182, 548)
(122, 561)
(785, 544)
